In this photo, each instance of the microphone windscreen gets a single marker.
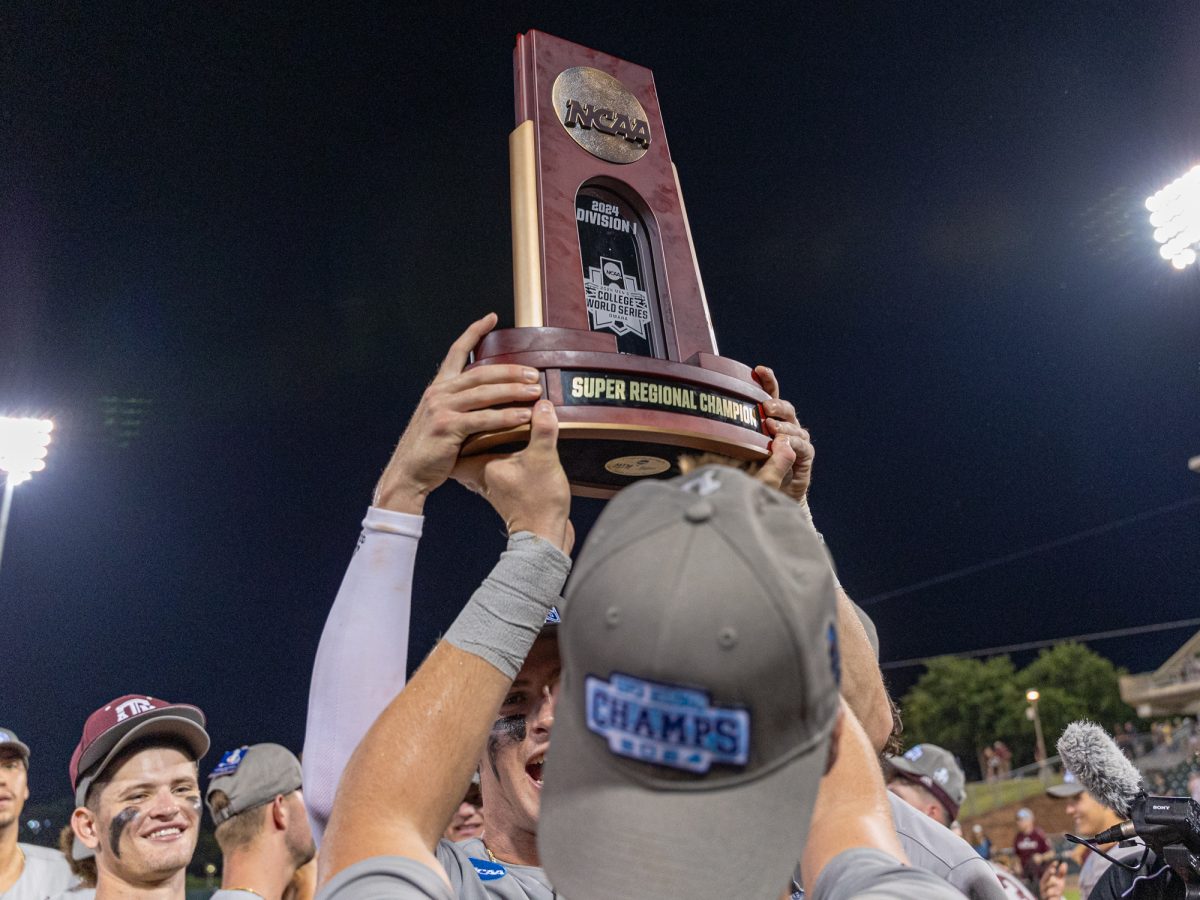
(1100, 766)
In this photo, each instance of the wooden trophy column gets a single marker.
(609, 302)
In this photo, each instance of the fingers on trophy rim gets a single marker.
(460, 350)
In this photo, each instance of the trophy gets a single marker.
(609, 303)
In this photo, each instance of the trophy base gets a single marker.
(623, 418)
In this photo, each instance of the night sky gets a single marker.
(235, 242)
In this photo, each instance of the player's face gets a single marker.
(146, 820)
(299, 837)
(466, 824)
(1090, 817)
(511, 769)
(14, 787)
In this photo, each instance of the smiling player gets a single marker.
(137, 794)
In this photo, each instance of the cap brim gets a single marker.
(185, 723)
(1063, 791)
(603, 838)
(19, 746)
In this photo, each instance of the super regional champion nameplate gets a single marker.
(609, 304)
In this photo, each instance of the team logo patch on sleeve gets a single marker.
(553, 617)
(486, 869)
(666, 724)
(229, 762)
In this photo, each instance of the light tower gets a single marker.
(1175, 218)
(23, 444)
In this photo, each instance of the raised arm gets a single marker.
(862, 681)
(363, 654)
(410, 771)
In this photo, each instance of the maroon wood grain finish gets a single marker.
(563, 166)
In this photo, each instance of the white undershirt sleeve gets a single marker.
(362, 659)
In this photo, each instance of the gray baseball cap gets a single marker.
(935, 769)
(251, 777)
(1070, 787)
(9, 741)
(698, 695)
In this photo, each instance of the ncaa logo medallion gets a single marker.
(601, 115)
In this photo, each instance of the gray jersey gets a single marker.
(238, 894)
(475, 877)
(79, 892)
(393, 877)
(46, 873)
(1095, 866)
(863, 874)
(933, 847)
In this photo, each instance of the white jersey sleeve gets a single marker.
(362, 659)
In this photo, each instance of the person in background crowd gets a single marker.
(468, 818)
(27, 872)
(1089, 818)
(1003, 757)
(1031, 847)
(981, 842)
(84, 869)
(137, 795)
(254, 797)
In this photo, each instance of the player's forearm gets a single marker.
(852, 807)
(862, 682)
(410, 771)
(362, 658)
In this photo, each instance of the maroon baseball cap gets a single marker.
(121, 721)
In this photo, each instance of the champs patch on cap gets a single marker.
(667, 725)
(229, 762)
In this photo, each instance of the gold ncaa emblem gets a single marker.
(602, 116)
(637, 466)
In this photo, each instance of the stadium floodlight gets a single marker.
(23, 444)
(1175, 218)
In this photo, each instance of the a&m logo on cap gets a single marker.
(229, 762)
(666, 724)
(133, 707)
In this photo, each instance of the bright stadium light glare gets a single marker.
(23, 446)
(1175, 218)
